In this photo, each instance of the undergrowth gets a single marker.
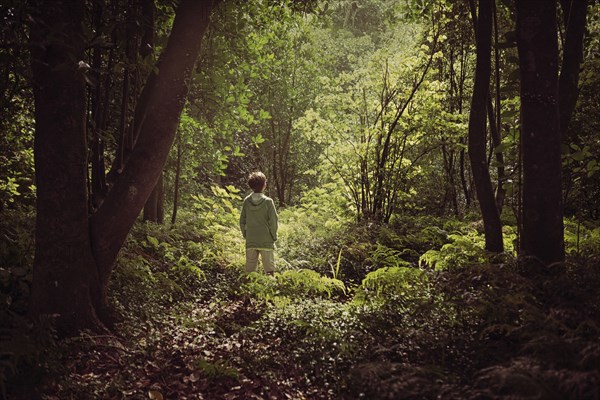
(413, 310)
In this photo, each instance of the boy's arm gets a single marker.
(273, 221)
(243, 220)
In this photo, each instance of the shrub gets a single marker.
(16, 262)
(465, 248)
(316, 339)
(310, 233)
(399, 285)
(581, 238)
(293, 285)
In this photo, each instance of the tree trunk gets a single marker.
(463, 180)
(451, 191)
(98, 181)
(148, 14)
(497, 133)
(574, 12)
(154, 208)
(112, 222)
(499, 156)
(477, 131)
(574, 18)
(74, 255)
(125, 137)
(177, 179)
(542, 236)
(65, 273)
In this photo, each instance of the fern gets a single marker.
(216, 370)
(581, 239)
(186, 267)
(464, 249)
(384, 256)
(391, 284)
(335, 272)
(294, 284)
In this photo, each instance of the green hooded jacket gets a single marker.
(258, 222)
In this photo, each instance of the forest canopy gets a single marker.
(434, 165)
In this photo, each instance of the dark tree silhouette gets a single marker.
(542, 234)
(574, 16)
(477, 130)
(75, 254)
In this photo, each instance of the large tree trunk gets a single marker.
(542, 236)
(165, 101)
(98, 179)
(74, 255)
(477, 131)
(574, 13)
(154, 209)
(64, 269)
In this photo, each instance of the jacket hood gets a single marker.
(256, 200)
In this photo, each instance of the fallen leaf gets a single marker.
(155, 395)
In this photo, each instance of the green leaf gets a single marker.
(153, 241)
(232, 189)
(502, 147)
(237, 152)
(258, 139)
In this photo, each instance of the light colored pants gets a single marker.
(267, 257)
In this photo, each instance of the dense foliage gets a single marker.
(360, 320)
(358, 113)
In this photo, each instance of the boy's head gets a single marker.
(257, 181)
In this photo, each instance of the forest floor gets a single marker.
(196, 350)
(193, 325)
(202, 356)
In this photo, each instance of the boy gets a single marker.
(258, 222)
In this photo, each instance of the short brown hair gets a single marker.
(257, 181)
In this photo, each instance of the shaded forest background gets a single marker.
(434, 163)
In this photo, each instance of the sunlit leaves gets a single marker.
(403, 285)
(365, 116)
(581, 161)
(16, 157)
(257, 140)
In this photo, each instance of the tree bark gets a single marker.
(497, 132)
(112, 222)
(65, 274)
(463, 180)
(477, 131)
(74, 254)
(125, 133)
(154, 208)
(148, 24)
(499, 156)
(542, 235)
(98, 180)
(574, 13)
(448, 157)
(177, 179)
